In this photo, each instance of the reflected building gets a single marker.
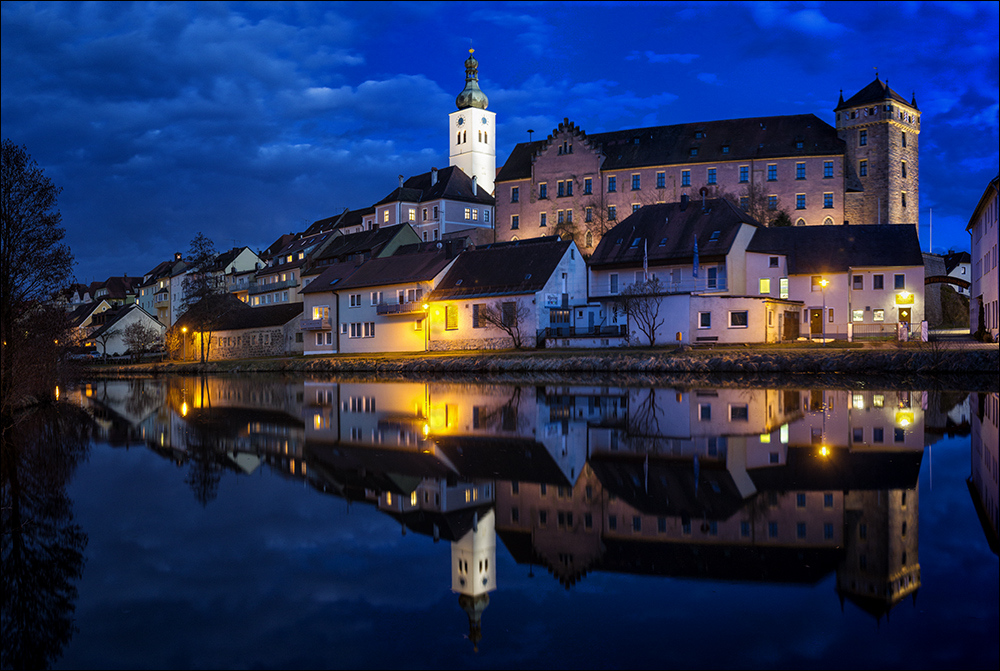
(984, 467)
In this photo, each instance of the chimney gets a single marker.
(400, 181)
(684, 201)
(434, 176)
(475, 185)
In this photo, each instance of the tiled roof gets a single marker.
(232, 314)
(826, 249)
(452, 184)
(666, 233)
(502, 269)
(330, 277)
(368, 243)
(713, 141)
(399, 269)
(955, 259)
(876, 92)
(346, 219)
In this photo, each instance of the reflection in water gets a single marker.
(41, 555)
(983, 479)
(770, 485)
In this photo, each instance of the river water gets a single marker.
(292, 522)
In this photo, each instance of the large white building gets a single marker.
(983, 229)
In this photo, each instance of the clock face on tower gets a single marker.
(461, 121)
(485, 121)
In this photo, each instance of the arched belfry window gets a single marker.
(486, 138)
(465, 136)
(458, 138)
(480, 136)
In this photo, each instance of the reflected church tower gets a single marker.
(473, 571)
(880, 566)
(471, 130)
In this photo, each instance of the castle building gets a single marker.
(863, 171)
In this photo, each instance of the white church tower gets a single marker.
(471, 128)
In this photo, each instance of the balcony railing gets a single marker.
(407, 308)
(691, 285)
(259, 288)
(161, 300)
(315, 324)
(574, 331)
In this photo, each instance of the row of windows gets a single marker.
(738, 319)
(462, 137)
(471, 214)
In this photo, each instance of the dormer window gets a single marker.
(699, 134)
(725, 149)
(693, 151)
(714, 237)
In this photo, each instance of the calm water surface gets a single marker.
(295, 523)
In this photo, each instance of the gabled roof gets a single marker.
(876, 92)
(825, 249)
(955, 259)
(79, 314)
(666, 233)
(346, 219)
(165, 269)
(117, 287)
(331, 276)
(225, 258)
(502, 269)
(989, 195)
(277, 245)
(367, 243)
(115, 316)
(305, 244)
(230, 313)
(452, 184)
(725, 140)
(420, 266)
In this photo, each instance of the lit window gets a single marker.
(385, 216)
(878, 315)
(858, 315)
(451, 317)
(413, 214)
(468, 213)
(765, 285)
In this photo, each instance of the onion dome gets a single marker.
(471, 95)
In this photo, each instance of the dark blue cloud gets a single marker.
(249, 120)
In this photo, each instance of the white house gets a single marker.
(984, 232)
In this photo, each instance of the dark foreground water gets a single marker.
(294, 523)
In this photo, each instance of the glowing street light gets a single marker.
(823, 282)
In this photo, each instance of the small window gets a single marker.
(903, 138)
(685, 178)
(542, 220)
(739, 319)
(772, 172)
(827, 169)
(515, 222)
(858, 282)
(712, 176)
(693, 152)
(588, 186)
(878, 282)
(827, 201)
(863, 168)
(772, 262)
(744, 174)
(863, 138)
(800, 171)
(800, 201)
(878, 315)
(612, 184)
(704, 320)
(765, 285)
(612, 213)
(772, 202)
(543, 191)
(515, 194)
(451, 317)
(899, 281)
(858, 315)
(636, 182)
(661, 180)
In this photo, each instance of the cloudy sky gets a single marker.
(249, 120)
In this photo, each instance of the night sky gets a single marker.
(247, 121)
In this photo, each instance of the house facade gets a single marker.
(852, 281)
(982, 228)
(864, 170)
(109, 337)
(243, 332)
(530, 284)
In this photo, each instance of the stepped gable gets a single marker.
(669, 231)
(502, 269)
(824, 249)
(876, 92)
(715, 141)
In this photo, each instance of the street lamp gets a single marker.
(823, 282)
(184, 339)
(427, 326)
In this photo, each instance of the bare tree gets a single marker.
(642, 302)
(204, 289)
(103, 338)
(141, 339)
(33, 261)
(756, 201)
(511, 317)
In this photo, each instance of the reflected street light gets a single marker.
(427, 326)
(184, 330)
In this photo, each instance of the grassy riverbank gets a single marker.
(978, 365)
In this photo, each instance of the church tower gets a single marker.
(471, 130)
(882, 171)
